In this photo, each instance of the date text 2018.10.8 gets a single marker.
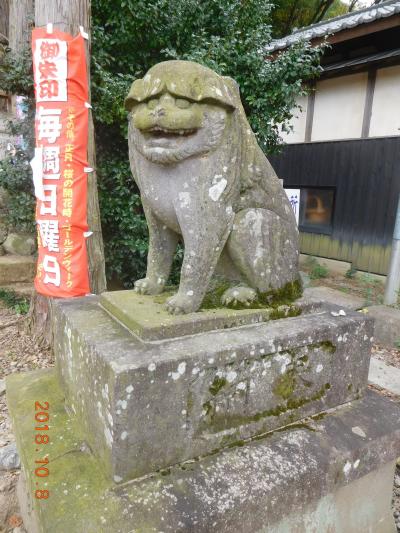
(41, 438)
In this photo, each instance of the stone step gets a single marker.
(21, 289)
(387, 318)
(387, 324)
(334, 297)
(385, 376)
(17, 269)
(330, 473)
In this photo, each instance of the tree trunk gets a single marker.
(20, 24)
(4, 18)
(325, 8)
(68, 16)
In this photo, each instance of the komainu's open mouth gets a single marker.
(158, 131)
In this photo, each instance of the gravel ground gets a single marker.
(19, 353)
(365, 286)
(390, 356)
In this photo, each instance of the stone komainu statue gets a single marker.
(204, 179)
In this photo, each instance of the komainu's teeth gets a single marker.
(159, 129)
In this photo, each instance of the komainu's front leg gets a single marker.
(204, 241)
(162, 246)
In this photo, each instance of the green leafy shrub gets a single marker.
(124, 227)
(229, 36)
(130, 36)
(16, 179)
(15, 172)
(12, 300)
(370, 288)
(351, 272)
(317, 270)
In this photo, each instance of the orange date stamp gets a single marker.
(42, 416)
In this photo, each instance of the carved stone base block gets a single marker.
(333, 472)
(149, 405)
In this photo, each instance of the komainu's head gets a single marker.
(178, 110)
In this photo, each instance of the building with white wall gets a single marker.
(344, 149)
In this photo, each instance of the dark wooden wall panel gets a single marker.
(366, 176)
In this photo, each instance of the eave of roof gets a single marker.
(337, 24)
(366, 60)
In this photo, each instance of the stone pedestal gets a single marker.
(148, 405)
(253, 425)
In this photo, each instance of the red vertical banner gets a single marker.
(60, 164)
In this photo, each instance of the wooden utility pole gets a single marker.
(392, 290)
(68, 16)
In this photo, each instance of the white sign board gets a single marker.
(51, 70)
(294, 199)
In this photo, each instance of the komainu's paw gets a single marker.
(149, 286)
(239, 295)
(180, 304)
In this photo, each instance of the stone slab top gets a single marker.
(241, 489)
(121, 350)
(147, 317)
(17, 269)
(334, 297)
(11, 259)
(384, 376)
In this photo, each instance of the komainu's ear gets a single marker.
(232, 84)
(234, 91)
(135, 95)
(143, 89)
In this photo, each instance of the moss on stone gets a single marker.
(163, 297)
(273, 298)
(217, 385)
(285, 385)
(328, 346)
(70, 459)
(190, 401)
(212, 299)
(296, 403)
(284, 311)
(289, 386)
(283, 296)
(218, 423)
(319, 416)
(82, 496)
(208, 408)
(236, 443)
